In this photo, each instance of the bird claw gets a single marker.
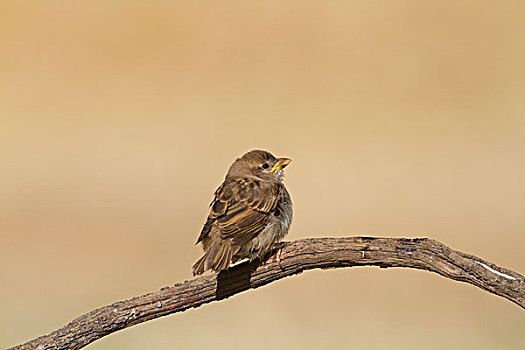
(279, 246)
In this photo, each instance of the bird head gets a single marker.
(258, 164)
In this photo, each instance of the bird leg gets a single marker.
(279, 246)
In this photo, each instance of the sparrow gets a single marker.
(250, 213)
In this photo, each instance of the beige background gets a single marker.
(120, 118)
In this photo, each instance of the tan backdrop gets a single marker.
(119, 120)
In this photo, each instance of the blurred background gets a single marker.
(119, 119)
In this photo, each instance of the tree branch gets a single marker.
(296, 257)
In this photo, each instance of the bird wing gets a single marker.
(242, 209)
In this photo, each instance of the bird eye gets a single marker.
(265, 166)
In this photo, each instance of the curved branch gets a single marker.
(296, 257)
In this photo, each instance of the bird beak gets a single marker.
(281, 164)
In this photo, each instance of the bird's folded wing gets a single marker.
(242, 209)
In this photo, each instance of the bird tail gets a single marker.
(218, 257)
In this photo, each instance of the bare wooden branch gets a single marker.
(296, 257)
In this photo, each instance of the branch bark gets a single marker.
(296, 257)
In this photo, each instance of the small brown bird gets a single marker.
(251, 211)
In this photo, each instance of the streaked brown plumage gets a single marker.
(251, 211)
